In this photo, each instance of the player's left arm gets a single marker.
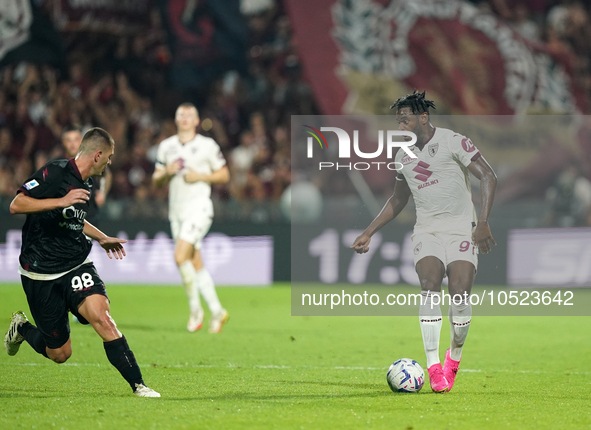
(109, 244)
(488, 182)
(220, 176)
(217, 164)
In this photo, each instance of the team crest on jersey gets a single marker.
(418, 248)
(433, 149)
(31, 184)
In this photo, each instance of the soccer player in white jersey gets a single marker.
(190, 163)
(447, 235)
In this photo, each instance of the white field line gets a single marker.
(280, 367)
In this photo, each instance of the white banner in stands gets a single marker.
(244, 260)
(553, 257)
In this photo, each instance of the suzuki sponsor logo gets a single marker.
(422, 173)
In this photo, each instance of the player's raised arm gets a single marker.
(488, 183)
(23, 204)
(391, 209)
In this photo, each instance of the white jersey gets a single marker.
(201, 154)
(439, 182)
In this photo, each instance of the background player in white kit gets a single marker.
(191, 163)
(447, 234)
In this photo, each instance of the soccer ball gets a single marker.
(405, 376)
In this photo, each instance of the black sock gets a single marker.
(34, 337)
(122, 358)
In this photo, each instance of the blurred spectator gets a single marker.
(119, 83)
(523, 24)
(569, 200)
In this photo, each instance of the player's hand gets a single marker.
(483, 238)
(192, 176)
(361, 244)
(173, 168)
(77, 195)
(113, 246)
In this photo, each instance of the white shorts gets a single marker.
(191, 230)
(446, 247)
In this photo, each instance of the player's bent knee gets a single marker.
(59, 355)
(60, 359)
(181, 256)
(180, 259)
(430, 285)
(460, 284)
(198, 265)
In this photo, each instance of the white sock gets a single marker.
(206, 287)
(459, 321)
(430, 320)
(188, 275)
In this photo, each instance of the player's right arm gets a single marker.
(162, 174)
(38, 193)
(165, 170)
(23, 204)
(391, 209)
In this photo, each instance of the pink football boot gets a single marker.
(450, 369)
(437, 380)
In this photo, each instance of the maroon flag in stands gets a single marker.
(15, 23)
(361, 55)
(27, 35)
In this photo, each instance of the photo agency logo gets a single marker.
(388, 139)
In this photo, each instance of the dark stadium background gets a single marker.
(249, 66)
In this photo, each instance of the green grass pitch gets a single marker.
(268, 369)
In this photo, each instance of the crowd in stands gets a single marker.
(563, 27)
(122, 84)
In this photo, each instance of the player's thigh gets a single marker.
(462, 262)
(197, 260)
(204, 226)
(431, 272)
(88, 300)
(80, 284)
(183, 251)
(49, 309)
(429, 257)
(96, 310)
(460, 274)
(193, 230)
(460, 248)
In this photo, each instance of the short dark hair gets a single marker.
(416, 102)
(94, 139)
(189, 105)
(70, 127)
